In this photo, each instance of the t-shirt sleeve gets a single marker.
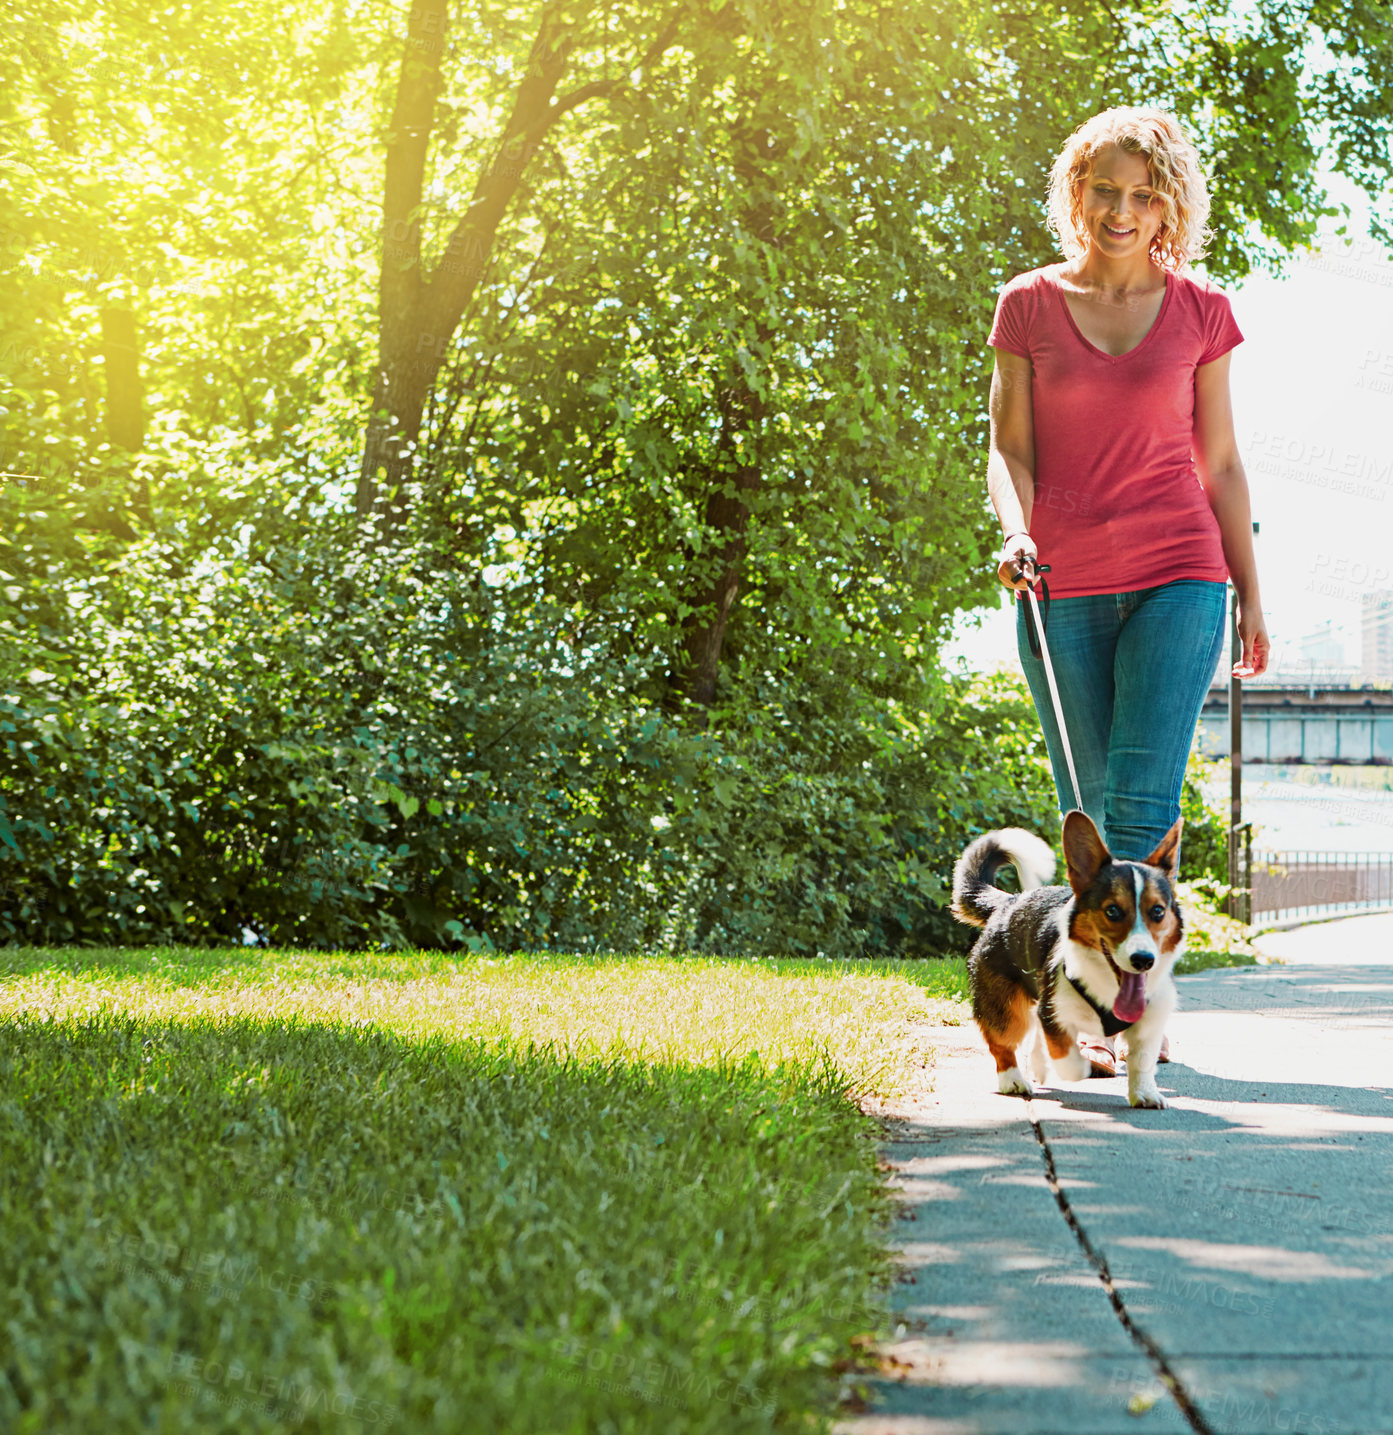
(1008, 324)
(1221, 331)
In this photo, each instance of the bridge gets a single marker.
(1290, 720)
(1293, 717)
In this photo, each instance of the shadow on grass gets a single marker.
(262, 1224)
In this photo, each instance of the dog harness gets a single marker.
(1112, 1025)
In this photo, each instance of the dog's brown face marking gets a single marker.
(1107, 900)
(1161, 912)
(1105, 914)
(1106, 910)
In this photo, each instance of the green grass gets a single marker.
(264, 1191)
(861, 1014)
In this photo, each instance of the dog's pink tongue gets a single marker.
(1131, 997)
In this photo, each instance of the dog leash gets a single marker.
(1035, 630)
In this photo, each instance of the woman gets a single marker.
(1113, 457)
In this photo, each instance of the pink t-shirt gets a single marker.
(1118, 503)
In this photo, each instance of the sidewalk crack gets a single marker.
(1098, 1261)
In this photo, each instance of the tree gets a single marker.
(177, 256)
(418, 313)
(690, 311)
(718, 367)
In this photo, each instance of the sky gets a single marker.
(1312, 388)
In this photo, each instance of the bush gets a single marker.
(1204, 846)
(335, 748)
(837, 832)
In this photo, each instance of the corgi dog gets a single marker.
(1095, 956)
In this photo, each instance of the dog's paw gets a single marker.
(1039, 1064)
(1073, 1066)
(1014, 1082)
(1147, 1097)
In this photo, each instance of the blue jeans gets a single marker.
(1132, 670)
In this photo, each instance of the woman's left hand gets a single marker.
(1252, 630)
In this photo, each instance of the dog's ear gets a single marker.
(1084, 851)
(1167, 854)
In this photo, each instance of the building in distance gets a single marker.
(1376, 637)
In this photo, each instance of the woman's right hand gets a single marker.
(1011, 565)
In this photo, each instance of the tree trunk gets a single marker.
(726, 515)
(386, 451)
(704, 629)
(400, 391)
(417, 316)
(125, 414)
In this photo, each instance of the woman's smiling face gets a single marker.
(1121, 211)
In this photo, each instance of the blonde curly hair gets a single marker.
(1175, 175)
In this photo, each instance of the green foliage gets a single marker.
(202, 167)
(1212, 938)
(1204, 845)
(762, 261)
(335, 749)
(841, 838)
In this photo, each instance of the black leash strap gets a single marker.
(1030, 633)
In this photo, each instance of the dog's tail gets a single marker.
(975, 893)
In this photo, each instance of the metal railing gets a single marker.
(1240, 903)
(1289, 885)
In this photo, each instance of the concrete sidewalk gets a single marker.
(1225, 1265)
